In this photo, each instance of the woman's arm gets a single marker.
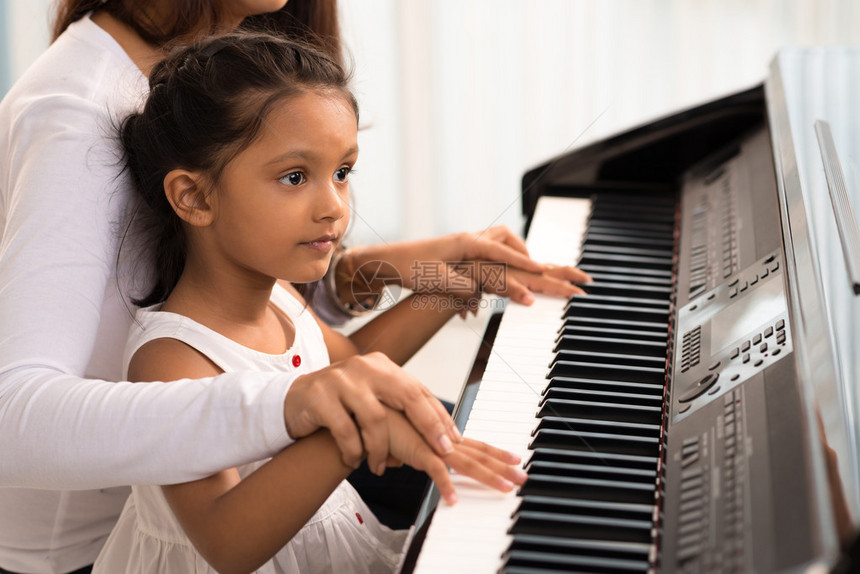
(60, 321)
(239, 524)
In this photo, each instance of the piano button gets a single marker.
(687, 461)
(757, 339)
(745, 286)
(769, 258)
(699, 387)
(780, 325)
(762, 348)
(746, 346)
(780, 337)
(684, 408)
(711, 296)
(746, 358)
(714, 390)
(775, 266)
(764, 273)
(768, 332)
(758, 363)
(734, 282)
(735, 352)
(735, 377)
(733, 292)
(775, 352)
(714, 366)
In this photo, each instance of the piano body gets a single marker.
(696, 411)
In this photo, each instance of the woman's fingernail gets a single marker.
(451, 498)
(457, 435)
(521, 476)
(445, 444)
(527, 298)
(380, 470)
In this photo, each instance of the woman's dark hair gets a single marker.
(311, 21)
(208, 102)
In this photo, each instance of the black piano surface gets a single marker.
(700, 411)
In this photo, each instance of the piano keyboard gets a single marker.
(576, 389)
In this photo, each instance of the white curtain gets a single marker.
(463, 96)
(460, 97)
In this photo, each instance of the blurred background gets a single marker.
(460, 97)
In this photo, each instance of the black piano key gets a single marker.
(524, 562)
(581, 307)
(592, 457)
(662, 254)
(598, 426)
(592, 471)
(661, 327)
(582, 489)
(579, 526)
(632, 228)
(600, 357)
(620, 300)
(631, 290)
(605, 277)
(590, 256)
(595, 236)
(607, 371)
(590, 441)
(646, 211)
(630, 346)
(598, 268)
(583, 547)
(611, 333)
(608, 411)
(570, 387)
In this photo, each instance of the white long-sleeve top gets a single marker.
(63, 324)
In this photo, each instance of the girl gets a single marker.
(242, 156)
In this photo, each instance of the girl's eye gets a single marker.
(294, 178)
(342, 174)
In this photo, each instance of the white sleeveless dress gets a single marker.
(343, 536)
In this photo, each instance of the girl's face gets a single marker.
(282, 205)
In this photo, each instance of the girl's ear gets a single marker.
(187, 193)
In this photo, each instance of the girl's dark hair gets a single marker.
(311, 21)
(207, 103)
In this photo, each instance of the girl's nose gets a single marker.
(333, 203)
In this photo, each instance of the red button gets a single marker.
(297, 360)
(360, 519)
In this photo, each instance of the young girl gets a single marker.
(242, 155)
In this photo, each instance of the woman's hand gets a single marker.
(350, 398)
(487, 464)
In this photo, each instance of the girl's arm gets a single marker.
(237, 525)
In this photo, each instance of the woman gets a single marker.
(68, 435)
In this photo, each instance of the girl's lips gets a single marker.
(320, 244)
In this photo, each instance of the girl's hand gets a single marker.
(487, 464)
(350, 398)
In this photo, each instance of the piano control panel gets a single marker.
(730, 333)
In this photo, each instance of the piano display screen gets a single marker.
(743, 316)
